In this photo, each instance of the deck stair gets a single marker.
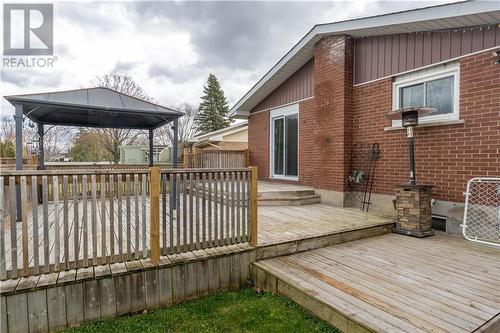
(288, 198)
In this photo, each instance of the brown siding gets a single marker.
(298, 86)
(380, 56)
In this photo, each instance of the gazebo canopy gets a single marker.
(93, 107)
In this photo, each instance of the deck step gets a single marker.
(288, 198)
(318, 241)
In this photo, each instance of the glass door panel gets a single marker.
(291, 143)
(278, 149)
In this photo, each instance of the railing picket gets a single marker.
(178, 208)
(3, 264)
(244, 206)
(13, 227)
(144, 220)
(197, 209)
(24, 226)
(203, 211)
(233, 217)
(128, 220)
(111, 219)
(209, 212)
(249, 201)
(57, 237)
(93, 211)
(76, 222)
(171, 214)
(120, 217)
(221, 200)
(65, 221)
(238, 207)
(85, 238)
(184, 211)
(136, 200)
(226, 204)
(102, 259)
(191, 213)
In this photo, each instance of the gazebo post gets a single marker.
(18, 117)
(151, 148)
(41, 161)
(176, 142)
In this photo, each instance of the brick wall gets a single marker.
(446, 156)
(332, 113)
(258, 142)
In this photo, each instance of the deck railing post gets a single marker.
(154, 193)
(253, 207)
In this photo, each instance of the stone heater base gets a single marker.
(413, 210)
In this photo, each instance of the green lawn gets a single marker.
(240, 311)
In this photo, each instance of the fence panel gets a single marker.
(216, 159)
(77, 219)
(482, 211)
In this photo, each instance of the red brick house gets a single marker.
(328, 95)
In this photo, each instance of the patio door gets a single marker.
(284, 143)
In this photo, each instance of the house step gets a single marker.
(288, 198)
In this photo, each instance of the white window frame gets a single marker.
(425, 75)
(278, 113)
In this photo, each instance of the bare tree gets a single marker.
(112, 139)
(56, 138)
(165, 135)
(7, 129)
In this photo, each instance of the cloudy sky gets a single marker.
(169, 48)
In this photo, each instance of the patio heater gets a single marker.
(413, 202)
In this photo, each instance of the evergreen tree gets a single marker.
(213, 111)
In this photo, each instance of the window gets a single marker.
(435, 87)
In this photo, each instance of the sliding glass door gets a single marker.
(285, 146)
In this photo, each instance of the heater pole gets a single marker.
(409, 135)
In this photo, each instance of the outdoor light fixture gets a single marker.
(409, 120)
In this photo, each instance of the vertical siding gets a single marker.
(380, 56)
(298, 86)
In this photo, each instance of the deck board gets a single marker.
(397, 283)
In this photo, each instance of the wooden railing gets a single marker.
(87, 218)
(216, 159)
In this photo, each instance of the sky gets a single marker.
(170, 48)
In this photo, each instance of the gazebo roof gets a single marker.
(93, 107)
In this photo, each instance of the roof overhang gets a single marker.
(442, 17)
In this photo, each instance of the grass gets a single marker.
(239, 311)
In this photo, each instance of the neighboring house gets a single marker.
(330, 93)
(234, 137)
(139, 154)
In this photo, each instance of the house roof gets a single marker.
(441, 17)
(219, 134)
(93, 107)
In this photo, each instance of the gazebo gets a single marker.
(93, 107)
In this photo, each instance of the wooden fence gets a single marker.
(216, 159)
(87, 218)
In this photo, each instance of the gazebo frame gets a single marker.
(93, 107)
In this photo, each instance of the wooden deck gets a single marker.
(285, 223)
(276, 225)
(393, 283)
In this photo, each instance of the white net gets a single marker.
(482, 211)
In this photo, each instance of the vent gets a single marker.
(439, 222)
